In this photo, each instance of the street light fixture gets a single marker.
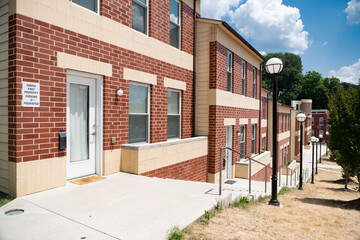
(327, 135)
(274, 66)
(301, 117)
(317, 140)
(320, 137)
(313, 141)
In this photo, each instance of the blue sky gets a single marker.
(325, 33)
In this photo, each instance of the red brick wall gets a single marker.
(159, 24)
(187, 28)
(316, 127)
(260, 176)
(191, 170)
(117, 10)
(33, 47)
(217, 133)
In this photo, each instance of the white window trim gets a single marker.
(148, 110)
(147, 16)
(243, 78)
(242, 157)
(231, 70)
(178, 25)
(254, 82)
(180, 97)
(253, 138)
(97, 7)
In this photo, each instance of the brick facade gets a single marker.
(316, 127)
(192, 170)
(33, 48)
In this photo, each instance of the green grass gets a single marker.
(284, 191)
(4, 199)
(243, 202)
(175, 233)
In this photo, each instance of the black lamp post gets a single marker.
(320, 139)
(301, 117)
(327, 135)
(313, 140)
(274, 66)
(316, 142)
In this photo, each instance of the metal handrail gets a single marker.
(250, 159)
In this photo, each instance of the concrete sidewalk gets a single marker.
(123, 206)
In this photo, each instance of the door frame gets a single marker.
(99, 82)
(228, 167)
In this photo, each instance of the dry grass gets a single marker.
(321, 211)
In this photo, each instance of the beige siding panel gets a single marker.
(4, 46)
(202, 79)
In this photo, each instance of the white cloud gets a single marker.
(350, 74)
(217, 9)
(353, 12)
(272, 25)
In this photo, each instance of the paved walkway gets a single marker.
(123, 206)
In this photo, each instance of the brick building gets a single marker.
(228, 99)
(115, 76)
(320, 123)
(283, 133)
(305, 106)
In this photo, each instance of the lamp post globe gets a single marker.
(301, 117)
(274, 66)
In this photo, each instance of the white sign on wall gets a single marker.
(30, 94)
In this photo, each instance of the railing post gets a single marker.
(291, 177)
(249, 175)
(220, 180)
(295, 177)
(280, 175)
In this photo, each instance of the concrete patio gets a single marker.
(123, 206)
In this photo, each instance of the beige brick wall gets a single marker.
(4, 45)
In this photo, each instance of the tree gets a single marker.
(313, 88)
(290, 78)
(344, 141)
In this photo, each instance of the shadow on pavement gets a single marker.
(353, 204)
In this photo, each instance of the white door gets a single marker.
(81, 126)
(228, 162)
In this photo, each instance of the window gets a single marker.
(89, 4)
(263, 144)
(174, 114)
(263, 107)
(253, 134)
(321, 132)
(282, 122)
(242, 141)
(312, 132)
(229, 71)
(175, 23)
(140, 15)
(281, 157)
(312, 121)
(321, 121)
(254, 82)
(138, 113)
(243, 81)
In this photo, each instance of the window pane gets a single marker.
(138, 17)
(174, 35)
(252, 146)
(229, 62)
(174, 12)
(173, 102)
(229, 78)
(138, 128)
(79, 122)
(138, 99)
(173, 126)
(89, 4)
(142, 1)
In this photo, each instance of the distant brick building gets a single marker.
(319, 124)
